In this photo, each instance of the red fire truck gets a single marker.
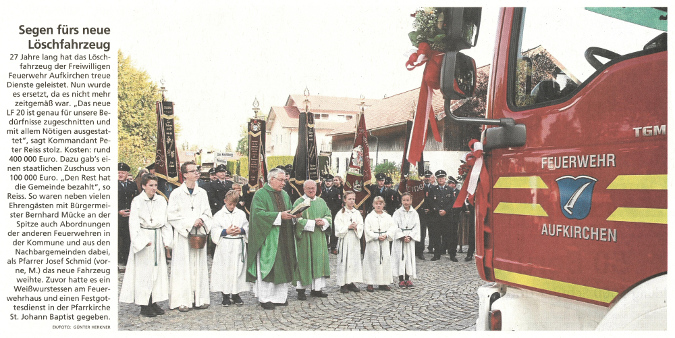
(572, 233)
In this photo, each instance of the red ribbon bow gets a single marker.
(476, 183)
(425, 114)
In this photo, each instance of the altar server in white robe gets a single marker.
(146, 280)
(189, 210)
(378, 230)
(403, 248)
(229, 233)
(349, 230)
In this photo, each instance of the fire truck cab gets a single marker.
(573, 232)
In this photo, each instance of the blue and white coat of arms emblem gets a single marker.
(575, 195)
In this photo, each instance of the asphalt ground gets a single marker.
(444, 298)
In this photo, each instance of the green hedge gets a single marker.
(243, 166)
(240, 167)
(274, 161)
(233, 167)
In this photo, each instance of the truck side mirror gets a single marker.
(458, 81)
(458, 76)
(463, 24)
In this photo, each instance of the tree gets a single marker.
(476, 105)
(228, 147)
(538, 63)
(456, 135)
(389, 168)
(242, 144)
(137, 121)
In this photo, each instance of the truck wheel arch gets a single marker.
(641, 308)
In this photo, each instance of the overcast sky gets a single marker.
(218, 57)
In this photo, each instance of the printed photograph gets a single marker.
(391, 167)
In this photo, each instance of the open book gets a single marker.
(298, 209)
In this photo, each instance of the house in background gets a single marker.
(386, 119)
(386, 122)
(336, 118)
(330, 113)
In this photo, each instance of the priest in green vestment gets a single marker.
(310, 231)
(271, 243)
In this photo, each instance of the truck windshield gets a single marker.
(555, 43)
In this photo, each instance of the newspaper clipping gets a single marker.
(125, 158)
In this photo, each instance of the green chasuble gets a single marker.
(313, 260)
(276, 244)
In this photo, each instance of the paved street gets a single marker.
(444, 298)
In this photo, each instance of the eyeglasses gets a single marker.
(193, 171)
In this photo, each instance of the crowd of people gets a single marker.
(265, 242)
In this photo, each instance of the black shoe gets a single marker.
(435, 258)
(370, 288)
(352, 287)
(236, 299)
(301, 295)
(319, 293)
(226, 300)
(280, 304)
(158, 310)
(344, 289)
(267, 306)
(146, 311)
(421, 257)
(453, 258)
(468, 258)
(384, 288)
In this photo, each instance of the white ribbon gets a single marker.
(475, 171)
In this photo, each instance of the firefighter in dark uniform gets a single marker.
(444, 234)
(219, 188)
(247, 198)
(376, 189)
(425, 212)
(333, 198)
(212, 175)
(288, 188)
(392, 199)
(470, 211)
(126, 191)
(453, 238)
(204, 184)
